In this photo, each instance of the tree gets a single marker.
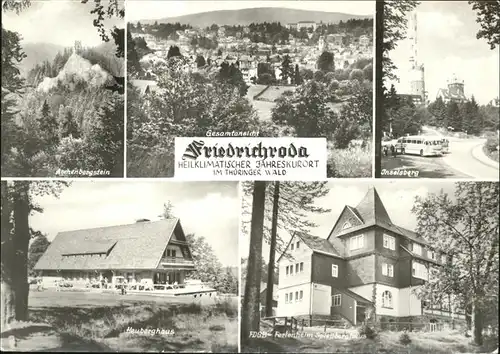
(297, 77)
(181, 107)
(488, 16)
(356, 74)
(200, 61)
(12, 84)
(250, 317)
(356, 117)
(326, 62)
(207, 266)
(219, 52)
(394, 30)
(18, 201)
(167, 211)
(272, 249)
(438, 111)
(286, 69)
(306, 111)
(68, 125)
(454, 118)
(37, 248)
(466, 229)
(173, 51)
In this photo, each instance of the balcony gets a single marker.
(177, 261)
(443, 313)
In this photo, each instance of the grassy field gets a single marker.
(387, 342)
(275, 92)
(101, 322)
(351, 162)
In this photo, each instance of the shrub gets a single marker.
(404, 338)
(492, 143)
(367, 331)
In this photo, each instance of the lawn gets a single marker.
(352, 162)
(275, 92)
(445, 342)
(103, 322)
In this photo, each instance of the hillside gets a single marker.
(255, 15)
(37, 53)
(77, 70)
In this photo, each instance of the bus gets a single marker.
(420, 145)
(445, 145)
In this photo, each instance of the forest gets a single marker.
(66, 115)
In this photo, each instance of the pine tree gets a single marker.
(48, 125)
(286, 69)
(297, 79)
(68, 125)
(454, 121)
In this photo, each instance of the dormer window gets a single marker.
(293, 244)
(346, 225)
(417, 249)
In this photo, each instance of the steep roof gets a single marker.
(318, 244)
(371, 211)
(133, 246)
(371, 208)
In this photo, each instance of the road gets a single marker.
(466, 160)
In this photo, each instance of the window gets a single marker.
(389, 242)
(431, 254)
(297, 268)
(301, 267)
(293, 244)
(356, 242)
(417, 249)
(387, 299)
(388, 270)
(290, 298)
(301, 295)
(335, 271)
(291, 270)
(346, 225)
(168, 253)
(296, 296)
(287, 270)
(297, 245)
(286, 298)
(443, 258)
(336, 300)
(419, 270)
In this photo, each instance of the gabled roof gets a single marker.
(319, 244)
(133, 246)
(316, 244)
(355, 296)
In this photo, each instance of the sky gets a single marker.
(209, 209)
(57, 22)
(398, 199)
(447, 45)
(149, 10)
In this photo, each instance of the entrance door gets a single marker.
(360, 314)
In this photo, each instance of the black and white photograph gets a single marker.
(440, 102)
(250, 69)
(366, 267)
(63, 82)
(115, 266)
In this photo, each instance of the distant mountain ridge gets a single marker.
(37, 53)
(256, 15)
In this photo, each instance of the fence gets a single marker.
(411, 326)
